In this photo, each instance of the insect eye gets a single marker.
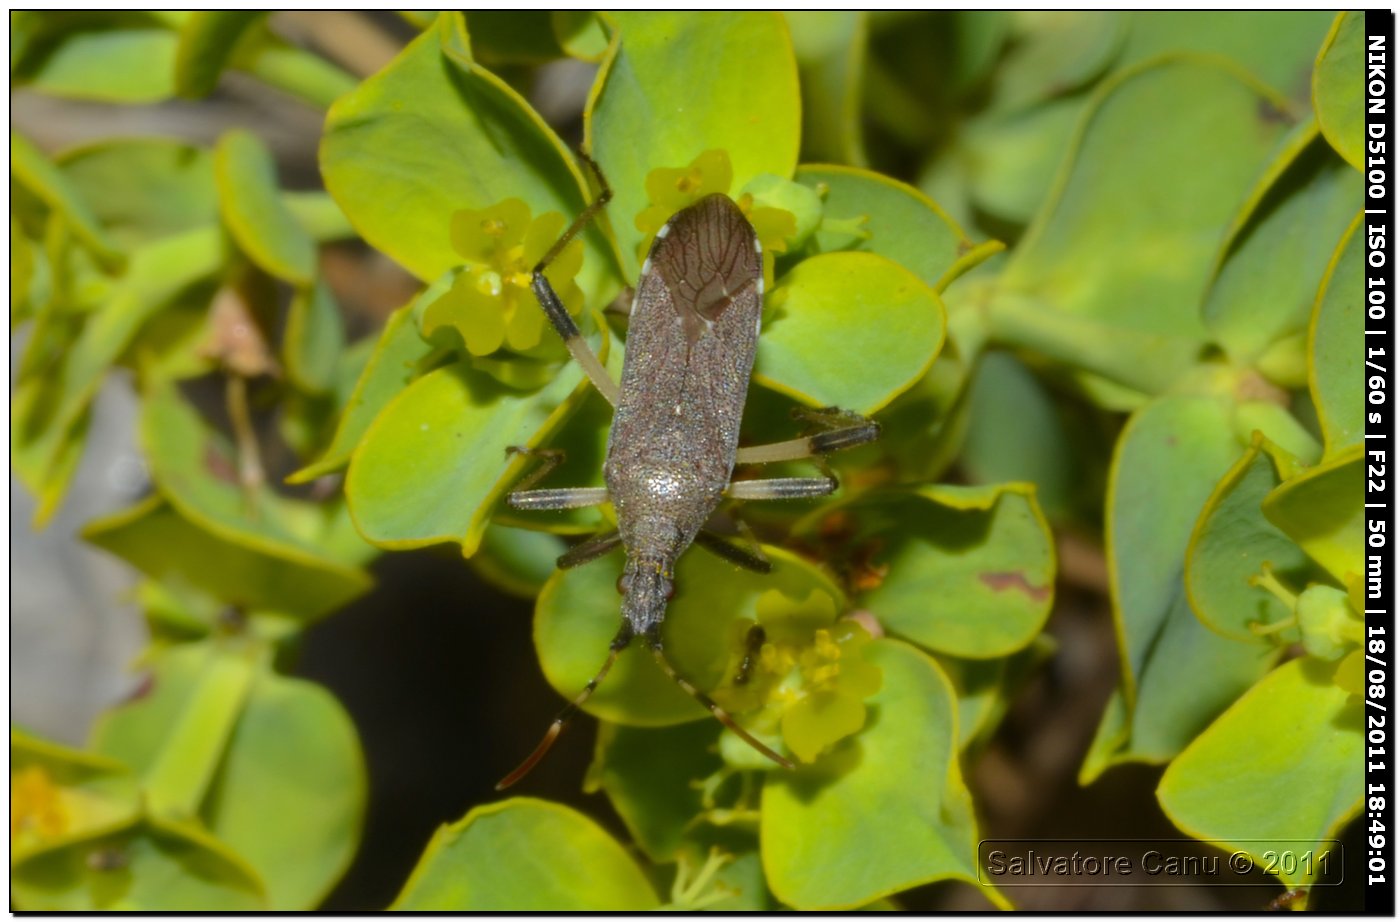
(670, 591)
(621, 584)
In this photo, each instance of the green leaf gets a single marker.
(524, 854)
(1009, 160)
(160, 542)
(1043, 447)
(1321, 509)
(290, 793)
(645, 111)
(1275, 771)
(1276, 253)
(158, 274)
(32, 170)
(578, 614)
(141, 189)
(895, 788)
(1054, 53)
(397, 360)
(208, 40)
(986, 688)
(449, 135)
(1231, 543)
(434, 461)
(271, 767)
(176, 780)
(652, 778)
(830, 47)
(314, 338)
(984, 553)
(104, 64)
(44, 462)
(581, 33)
(1337, 87)
(517, 560)
(195, 468)
(1336, 373)
(849, 329)
(1169, 458)
(1082, 287)
(1277, 46)
(904, 224)
(154, 866)
(254, 212)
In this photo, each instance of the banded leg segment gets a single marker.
(552, 499)
(782, 488)
(554, 308)
(842, 429)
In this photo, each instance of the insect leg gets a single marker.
(620, 642)
(843, 429)
(781, 488)
(554, 308)
(560, 498)
(749, 559)
(585, 551)
(654, 642)
(563, 498)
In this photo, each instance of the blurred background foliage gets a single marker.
(1101, 576)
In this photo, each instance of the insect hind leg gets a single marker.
(839, 429)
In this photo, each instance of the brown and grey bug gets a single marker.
(674, 440)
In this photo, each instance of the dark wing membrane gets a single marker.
(708, 259)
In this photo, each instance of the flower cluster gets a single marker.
(490, 303)
(670, 190)
(809, 677)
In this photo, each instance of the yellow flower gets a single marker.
(809, 679)
(490, 302)
(671, 190)
(36, 807)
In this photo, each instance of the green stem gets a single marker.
(177, 782)
(301, 74)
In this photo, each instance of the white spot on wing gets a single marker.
(665, 229)
(646, 266)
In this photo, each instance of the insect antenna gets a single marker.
(705, 700)
(619, 644)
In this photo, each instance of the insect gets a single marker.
(674, 439)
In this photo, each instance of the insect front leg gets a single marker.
(554, 308)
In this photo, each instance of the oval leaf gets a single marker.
(851, 330)
(1337, 87)
(448, 135)
(1277, 770)
(254, 211)
(524, 854)
(676, 84)
(1336, 369)
(1065, 291)
(434, 461)
(895, 788)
